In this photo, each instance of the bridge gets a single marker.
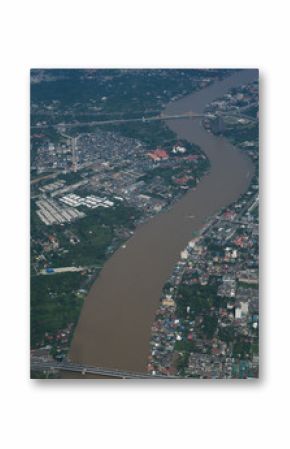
(187, 115)
(38, 365)
(143, 119)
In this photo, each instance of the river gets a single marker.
(115, 323)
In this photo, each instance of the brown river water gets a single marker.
(115, 323)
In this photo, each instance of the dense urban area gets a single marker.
(207, 322)
(99, 168)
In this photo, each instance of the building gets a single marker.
(158, 155)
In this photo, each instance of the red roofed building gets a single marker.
(158, 155)
(239, 241)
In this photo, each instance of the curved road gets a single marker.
(115, 323)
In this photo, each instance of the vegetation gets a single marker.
(197, 297)
(121, 91)
(182, 362)
(209, 325)
(227, 334)
(53, 304)
(239, 134)
(54, 299)
(242, 347)
(150, 133)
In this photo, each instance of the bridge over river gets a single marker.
(162, 117)
(143, 119)
(99, 371)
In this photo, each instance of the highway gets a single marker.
(84, 369)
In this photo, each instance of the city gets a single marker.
(216, 335)
(92, 188)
